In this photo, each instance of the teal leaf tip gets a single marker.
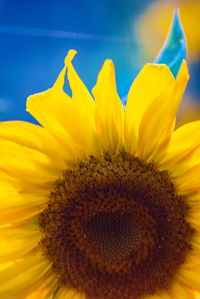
(174, 49)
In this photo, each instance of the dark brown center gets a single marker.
(112, 235)
(115, 228)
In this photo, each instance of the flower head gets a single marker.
(101, 201)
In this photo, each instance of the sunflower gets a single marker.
(101, 201)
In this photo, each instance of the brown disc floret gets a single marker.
(115, 228)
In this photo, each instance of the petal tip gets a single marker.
(108, 62)
(108, 66)
(184, 70)
(70, 56)
(159, 67)
(29, 99)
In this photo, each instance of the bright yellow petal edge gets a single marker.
(33, 157)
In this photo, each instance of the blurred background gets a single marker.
(36, 35)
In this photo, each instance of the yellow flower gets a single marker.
(157, 19)
(101, 201)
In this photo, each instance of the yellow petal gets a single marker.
(17, 279)
(197, 295)
(17, 206)
(50, 110)
(79, 91)
(185, 164)
(192, 261)
(20, 207)
(180, 84)
(20, 217)
(25, 216)
(193, 203)
(36, 138)
(27, 164)
(160, 295)
(7, 264)
(12, 201)
(109, 109)
(70, 121)
(155, 130)
(195, 212)
(21, 202)
(39, 294)
(24, 185)
(194, 199)
(152, 82)
(64, 293)
(181, 148)
(189, 181)
(189, 278)
(195, 222)
(80, 122)
(158, 121)
(44, 287)
(180, 292)
(16, 242)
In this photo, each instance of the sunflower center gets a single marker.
(114, 227)
(112, 235)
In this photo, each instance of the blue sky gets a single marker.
(36, 35)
